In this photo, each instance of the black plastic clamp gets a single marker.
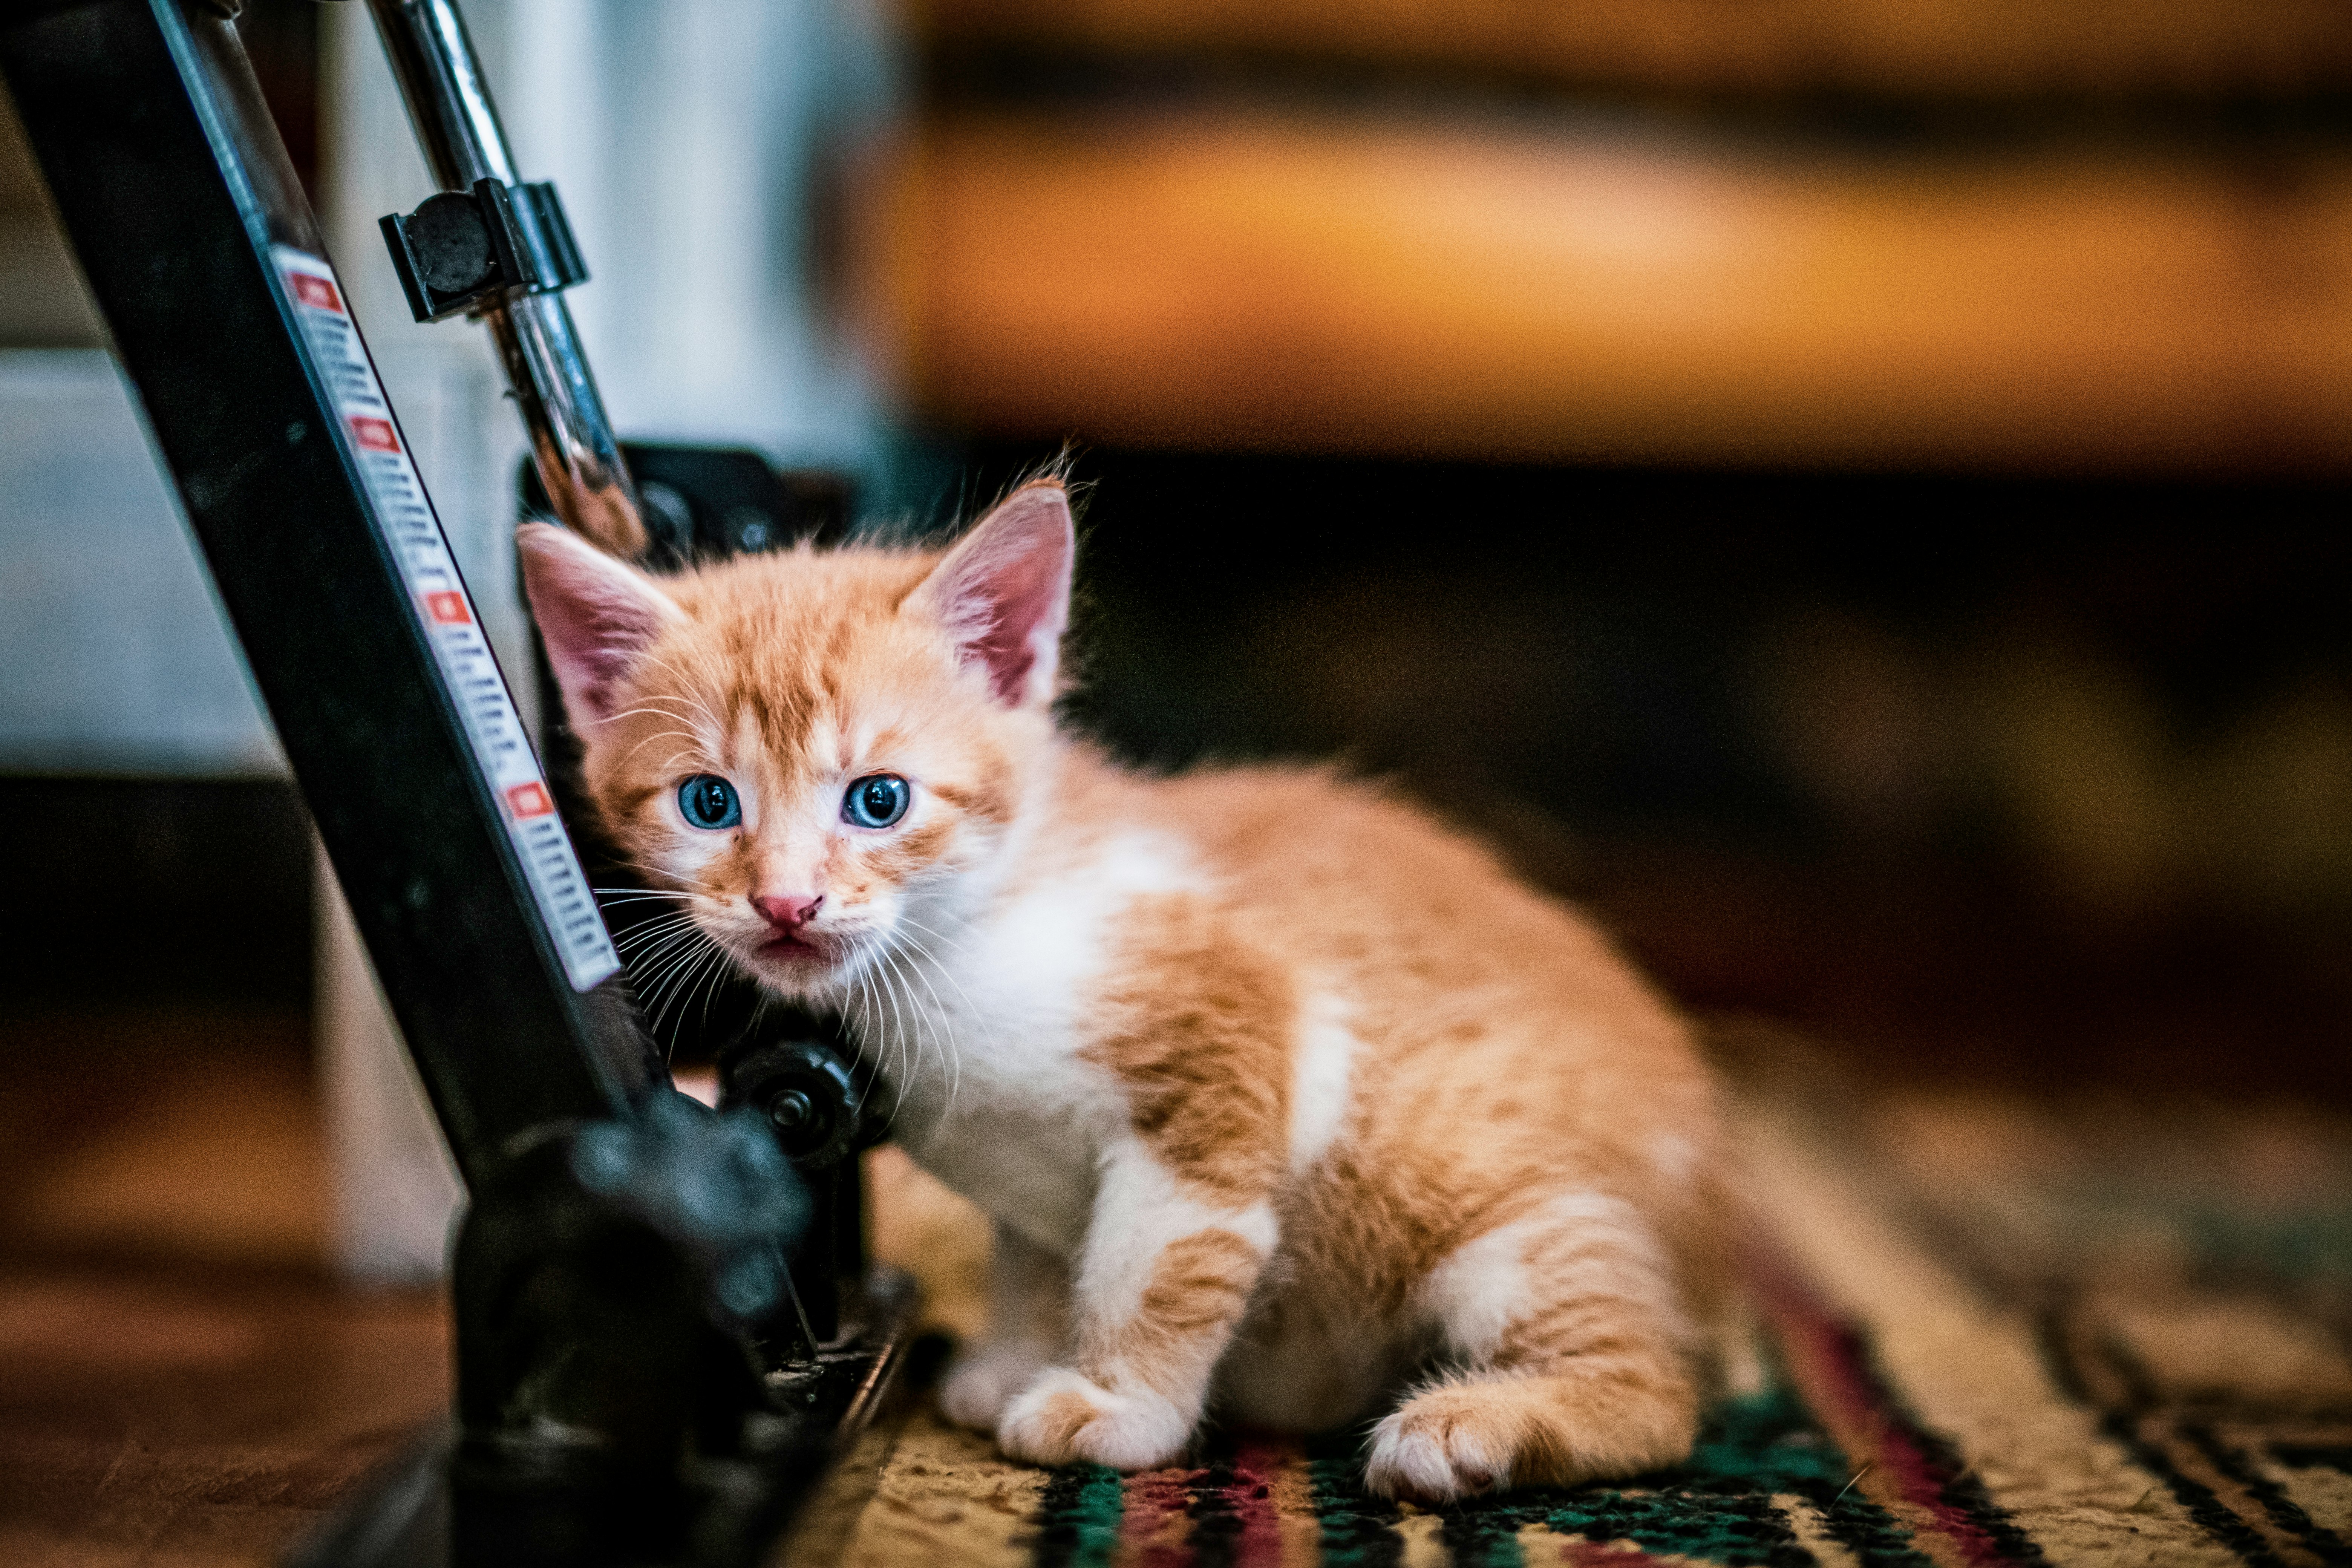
(820, 1102)
(462, 248)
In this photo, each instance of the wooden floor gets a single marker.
(180, 1382)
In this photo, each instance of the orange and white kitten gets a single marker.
(1284, 1100)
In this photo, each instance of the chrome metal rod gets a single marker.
(572, 440)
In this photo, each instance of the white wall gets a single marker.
(114, 657)
(685, 136)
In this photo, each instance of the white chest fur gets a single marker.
(980, 1025)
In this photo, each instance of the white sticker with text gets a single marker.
(405, 516)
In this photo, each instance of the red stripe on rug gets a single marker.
(1830, 1367)
(1250, 1494)
(1154, 1530)
(1579, 1553)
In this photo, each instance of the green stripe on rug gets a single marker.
(1717, 1508)
(1358, 1529)
(1077, 1516)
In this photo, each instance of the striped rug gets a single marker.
(1992, 1334)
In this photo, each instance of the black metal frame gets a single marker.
(635, 1380)
(173, 187)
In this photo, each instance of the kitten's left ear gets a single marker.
(596, 615)
(1004, 591)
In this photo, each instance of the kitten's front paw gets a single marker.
(1064, 1417)
(1438, 1448)
(983, 1381)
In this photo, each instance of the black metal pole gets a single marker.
(571, 441)
(206, 262)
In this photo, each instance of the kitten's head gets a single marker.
(819, 750)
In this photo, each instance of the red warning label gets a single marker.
(528, 800)
(448, 608)
(315, 291)
(373, 434)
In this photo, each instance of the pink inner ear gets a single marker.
(596, 616)
(1005, 590)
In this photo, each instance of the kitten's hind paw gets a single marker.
(982, 1382)
(1064, 1417)
(1487, 1432)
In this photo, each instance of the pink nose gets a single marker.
(789, 912)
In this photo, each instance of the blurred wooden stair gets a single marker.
(1236, 264)
(1924, 48)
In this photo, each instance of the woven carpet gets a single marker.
(1992, 1332)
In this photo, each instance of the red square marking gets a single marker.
(528, 800)
(447, 608)
(373, 434)
(316, 292)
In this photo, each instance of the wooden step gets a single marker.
(1251, 280)
(1932, 47)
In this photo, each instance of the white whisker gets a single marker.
(710, 988)
(648, 954)
(866, 995)
(938, 935)
(689, 697)
(675, 954)
(652, 705)
(979, 1016)
(683, 989)
(915, 1043)
(656, 937)
(662, 920)
(869, 986)
(693, 742)
(906, 1072)
(942, 1037)
(655, 975)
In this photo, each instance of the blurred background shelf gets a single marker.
(1936, 49)
(1580, 289)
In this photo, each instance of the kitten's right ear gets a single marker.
(596, 614)
(1002, 593)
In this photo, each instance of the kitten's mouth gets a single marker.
(802, 951)
(790, 946)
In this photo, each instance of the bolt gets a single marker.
(601, 1158)
(748, 1287)
(749, 526)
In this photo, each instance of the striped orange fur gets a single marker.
(1285, 1101)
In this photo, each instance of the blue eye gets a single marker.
(877, 800)
(709, 801)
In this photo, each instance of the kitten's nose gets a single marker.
(787, 913)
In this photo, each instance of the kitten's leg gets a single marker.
(1578, 1357)
(1028, 1330)
(1166, 1274)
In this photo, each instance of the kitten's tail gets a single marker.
(1737, 1362)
